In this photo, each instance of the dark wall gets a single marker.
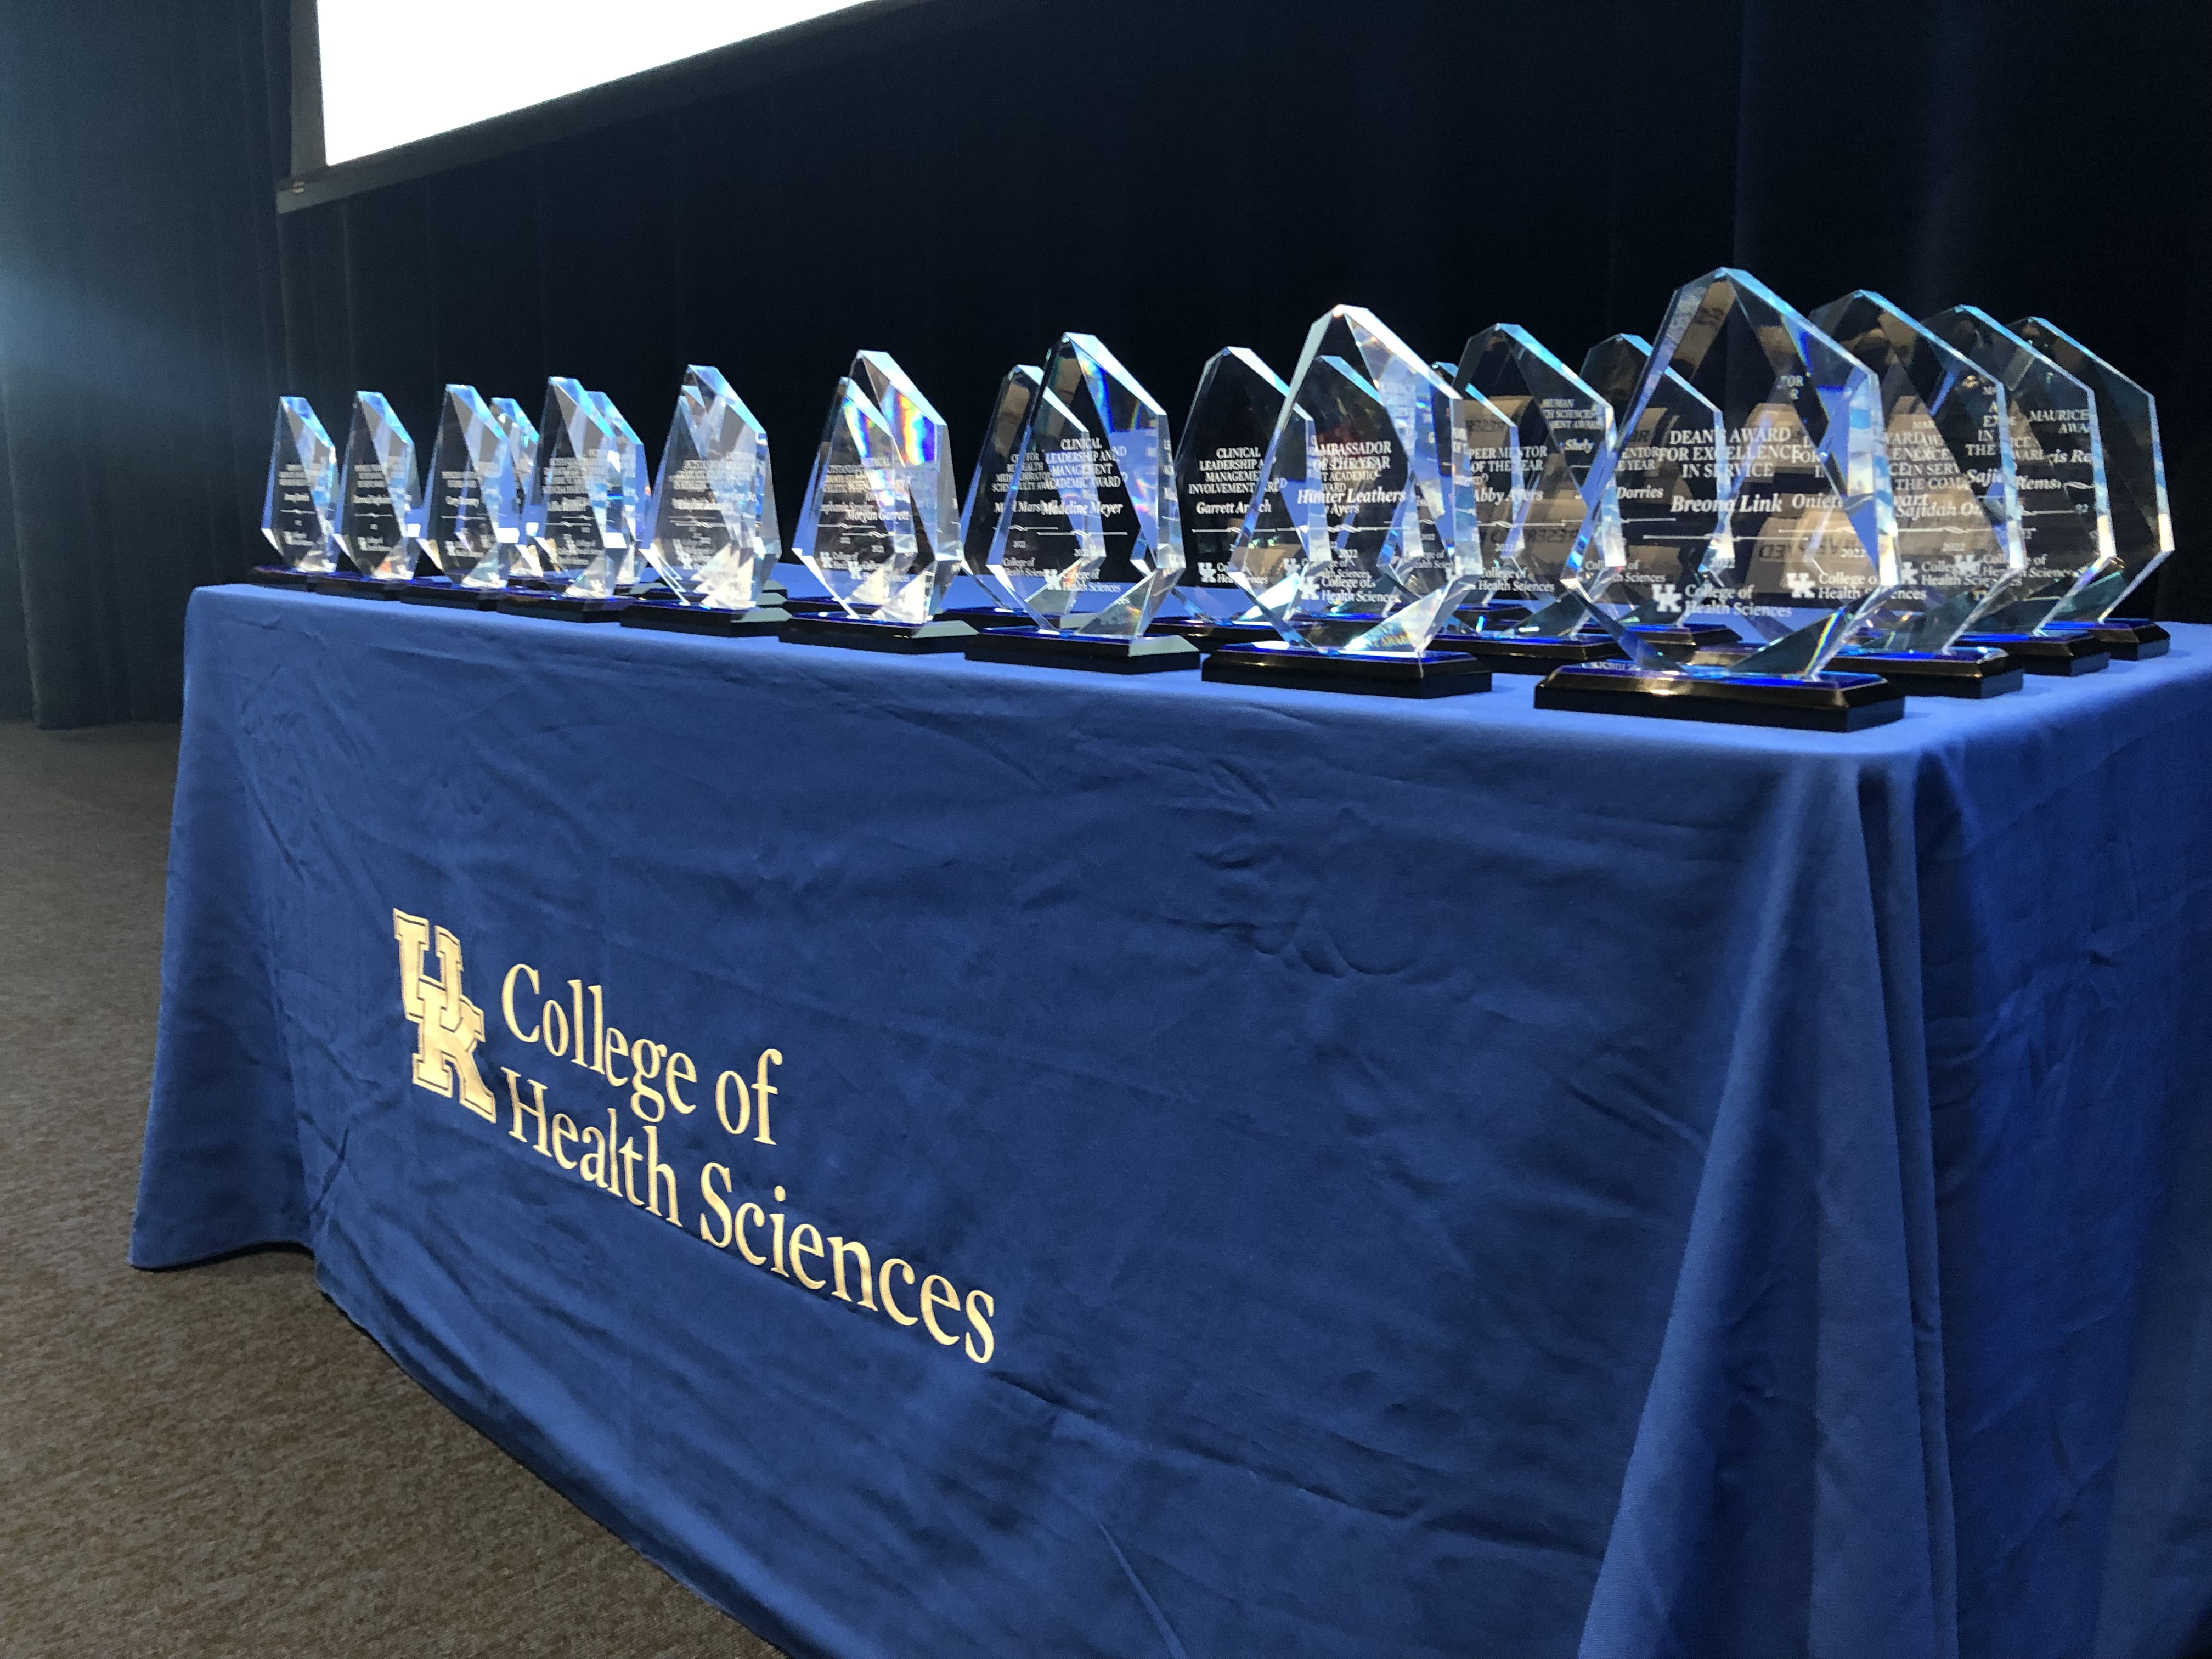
(1174, 178)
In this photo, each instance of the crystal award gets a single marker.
(2065, 515)
(380, 500)
(880, 528)
(2135, 481)
(1664, 494)
(628, 516)
(1959, 556)
(987, 496)
(1361, 542)
(1534, 609)
(715, 537)
(1089, 540)
(1224, 439)
(582, 511)
(1806, 542)
(471, 531)
(297, 511)
(522, 456)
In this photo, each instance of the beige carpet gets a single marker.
(215, 1462)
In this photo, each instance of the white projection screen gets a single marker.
(394, 72)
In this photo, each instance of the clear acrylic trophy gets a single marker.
(715, 535)
(584, 508)
(1806, 545)
(299, 509)
(472, 526)
(621, 566)
(1090, 540)
(1217, 474)
(987, 497)
(1561, 546)
(2135, 481)
(1959, 557)
(1664, 492)
(1362, 541)
(379, 504)
(522, 454)
(880, 528)
(2065, 516)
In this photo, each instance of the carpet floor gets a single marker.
(214, 1461)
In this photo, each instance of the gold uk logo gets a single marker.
(448, 1026)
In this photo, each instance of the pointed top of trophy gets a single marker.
(299, 508)
(1233, 377)
(379, 494)
(1552, 404)
(1613, 368)
(1366, 344)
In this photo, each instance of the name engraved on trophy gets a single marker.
(1351, 474)
(1226, 482)
(297, 523)
(375, 532)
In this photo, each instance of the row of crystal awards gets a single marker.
(559, 514)
(1929, 507)
(1700, 526)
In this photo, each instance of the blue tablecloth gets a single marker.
(1350, 1178)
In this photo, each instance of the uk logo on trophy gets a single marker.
(448, 1025)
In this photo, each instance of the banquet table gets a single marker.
(948, 1157)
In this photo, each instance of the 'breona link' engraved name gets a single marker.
(448, 1025)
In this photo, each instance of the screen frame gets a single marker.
(869, 27)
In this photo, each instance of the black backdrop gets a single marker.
(1172, 177)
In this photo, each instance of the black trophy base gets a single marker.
(2130, 638)
(810, 607)
(2067, 655)
(1685, 636)
(451, 595)
(1373, 674)
(560, 607)
(1497, 613)
(277, 576)
(1208, 635)
(981, 617)
(1035, 648)
(356, 587)
(861, 633)
(1832, 702)
(1504, 653)
(704, 619)
(1972, 672)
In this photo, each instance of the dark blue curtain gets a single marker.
(1174, 178)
